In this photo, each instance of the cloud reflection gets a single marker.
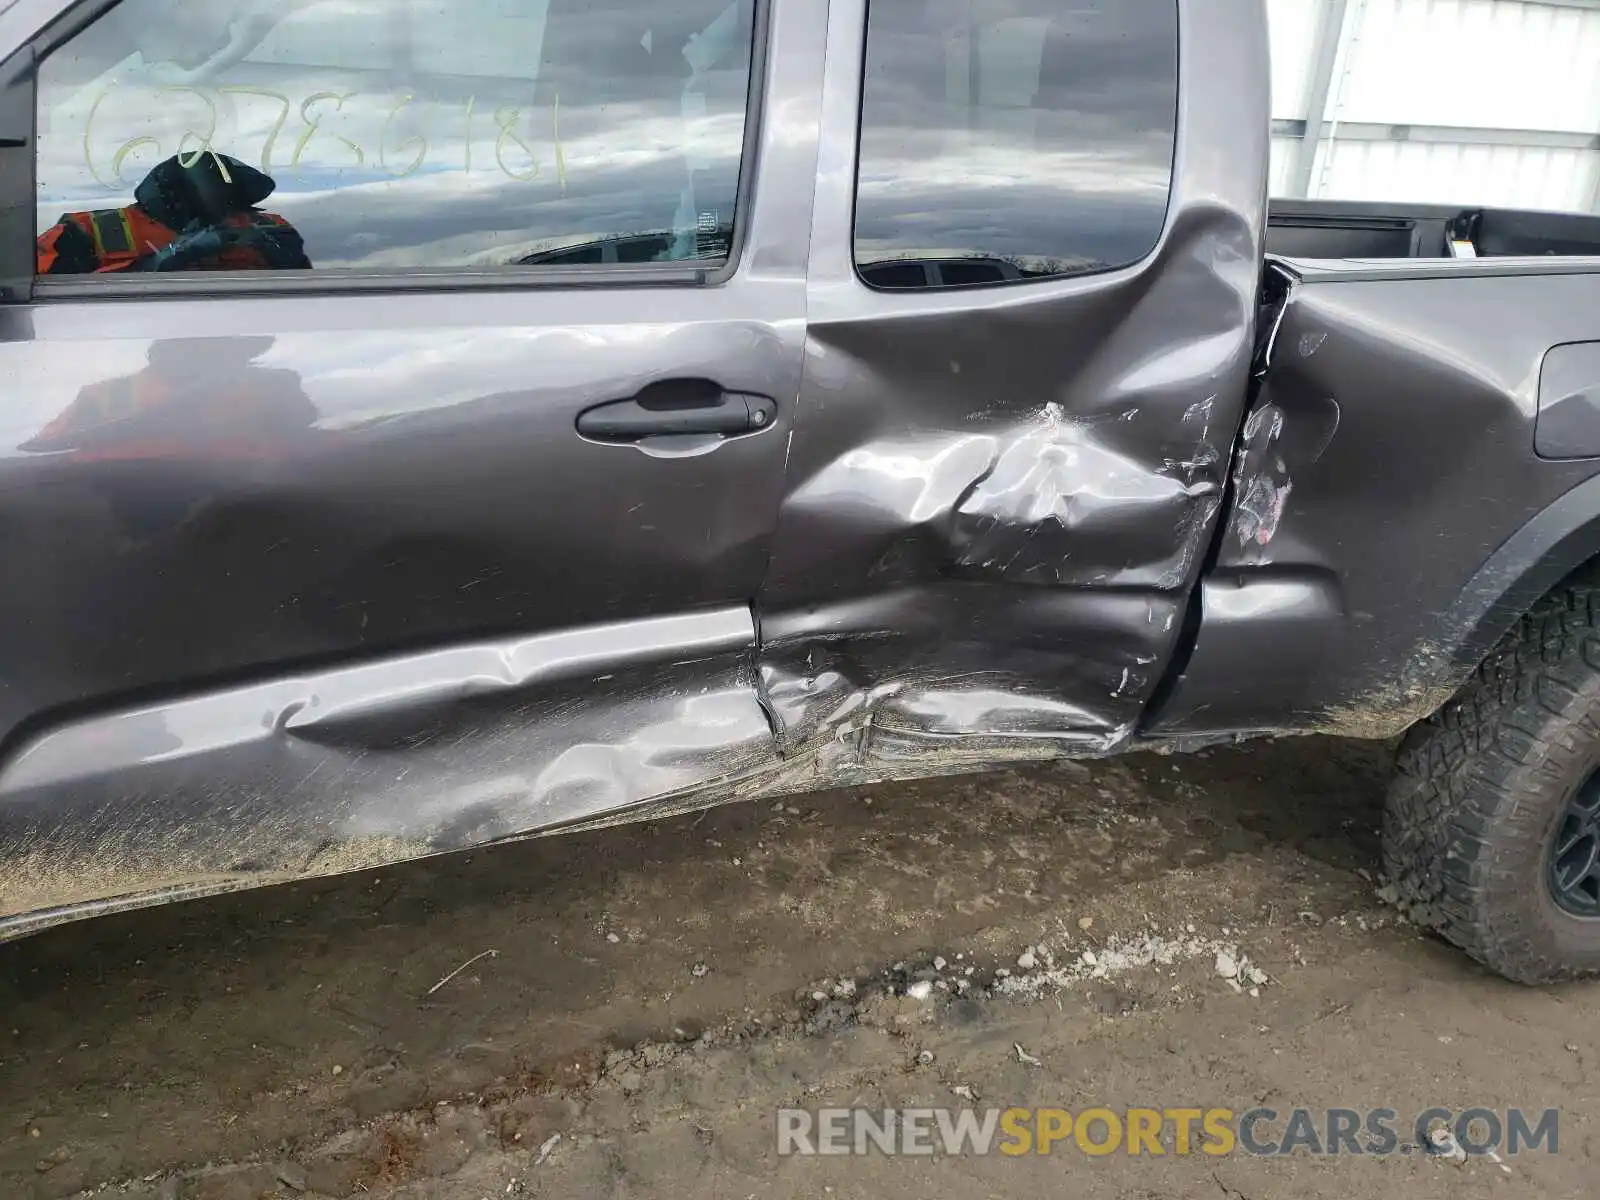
(414, 133)
(1026, 130)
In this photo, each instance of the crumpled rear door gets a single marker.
(1028, 345)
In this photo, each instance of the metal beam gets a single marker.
(1462, 135)
(1310, 132)
(1594, 201)
(1324, 57)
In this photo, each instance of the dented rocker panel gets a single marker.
(359, 766)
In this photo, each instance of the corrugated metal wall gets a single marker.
(1449, 101)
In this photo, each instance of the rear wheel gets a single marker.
(1492, 831)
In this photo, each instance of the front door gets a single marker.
(447, 532)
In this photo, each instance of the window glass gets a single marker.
(393, 135)
(1014, 139)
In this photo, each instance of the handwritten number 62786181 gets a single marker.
(514, 154)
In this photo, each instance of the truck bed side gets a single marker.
(1390, 517)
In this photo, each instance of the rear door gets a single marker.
(1033, 277)
(450, 536)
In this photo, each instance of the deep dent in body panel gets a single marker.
(434, 752)
(980, 565)
(1288, 429)
(1054, 481)
(350, 768)
(1386, 456)
(311, 797)
(1116, 481)
(987, 571)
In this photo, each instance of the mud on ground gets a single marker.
(620, 1013)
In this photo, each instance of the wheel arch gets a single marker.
(1547, 550)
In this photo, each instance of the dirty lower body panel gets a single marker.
(357, 766)
(967, 666)
(942, 680)
(366, 764)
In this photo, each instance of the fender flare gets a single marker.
(1526, 566)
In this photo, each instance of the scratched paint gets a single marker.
(995, 561)
(1053, 490)
(1262, 484)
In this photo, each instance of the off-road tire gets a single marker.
(1481, 785)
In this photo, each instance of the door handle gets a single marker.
(676, 407)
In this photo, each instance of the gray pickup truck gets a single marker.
(430, 425)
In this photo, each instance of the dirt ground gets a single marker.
(640, 1001)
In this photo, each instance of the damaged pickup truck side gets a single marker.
(697, 400)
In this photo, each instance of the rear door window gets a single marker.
(1006, 140)
(400, 135)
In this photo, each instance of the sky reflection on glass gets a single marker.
(408, 134)
(1039, 132)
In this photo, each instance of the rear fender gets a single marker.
(1388, 518)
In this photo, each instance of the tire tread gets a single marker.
(1478, 776)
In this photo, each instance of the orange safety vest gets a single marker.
(122, 236)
